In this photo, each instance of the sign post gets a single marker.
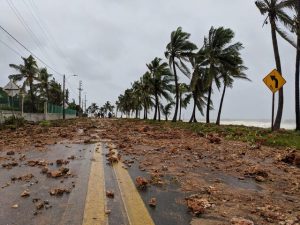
(274, 81)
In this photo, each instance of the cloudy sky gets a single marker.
(108, 42)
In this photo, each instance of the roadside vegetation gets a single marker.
(214, 66)
(253, 135)
(37, 86)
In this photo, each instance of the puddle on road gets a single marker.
(233, 182)
(68, 207)
(171, 208)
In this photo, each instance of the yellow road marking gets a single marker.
(134, 205)
(94, 212)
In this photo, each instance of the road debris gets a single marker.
(197, 204)
(152, 202)
(25, 193)
(141, 182)
(110, 194)
(59, 191)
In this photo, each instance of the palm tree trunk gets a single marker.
(158, 110)
(177, 91)
(32, 97)
(156, 106)
(194, 111)
(278, 65)
(180, 106)
(208, 104)
(297, 97)
(221, 105)
(144, 111)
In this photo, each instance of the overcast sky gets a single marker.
(108, 42)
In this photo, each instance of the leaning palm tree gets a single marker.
(217, 52)
(199, 88)
(166, 110)
(228, 78)
(178, 51)
(160, 83)
(297, 72)
(275, 12)
(184, 97)
(295, 28)
(28, 74)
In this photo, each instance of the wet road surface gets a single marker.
(86, 203)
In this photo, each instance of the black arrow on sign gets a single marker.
(276, 81)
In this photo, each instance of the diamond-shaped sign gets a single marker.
(274, 81)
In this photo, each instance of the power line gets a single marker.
(23, 22)
(29, 51)
(16, 52)
(35, 12)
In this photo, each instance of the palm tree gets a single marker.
(275, 11)
(217, 53)
(297, 80)
(137, 92)
(166, 110)
(43, 78)
(295, 28)
(27, 72)
(146, 89)
(199, 88)
(93, 108)
(184, 97)
(178, 51)
(228, 79)
(55, 92)
(160, 83)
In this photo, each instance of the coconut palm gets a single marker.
(93, 108)
(159, 83)
(295, 28)
(228, 78)
(297, 79)
(146, 88)
(216, 54)
(55, 92)
(275, 12)
(198, 87)
(178, 51)
(184, 97)
(166, 110)
(43, 85)
(28, 73)
(137, 92)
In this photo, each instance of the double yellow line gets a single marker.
(94, 212)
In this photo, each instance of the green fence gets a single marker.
(9, 103)
(59, 109)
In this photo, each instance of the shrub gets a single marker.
(15, 121)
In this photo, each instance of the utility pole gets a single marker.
(80, 90)
(64, 97)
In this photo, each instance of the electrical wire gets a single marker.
(38, 58)
(15, 51)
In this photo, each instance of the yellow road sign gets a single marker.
(274, 81)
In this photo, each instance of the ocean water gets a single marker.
(286, 124)
(289, 124)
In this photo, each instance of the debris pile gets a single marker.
(197, 205)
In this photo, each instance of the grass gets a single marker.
(281, 138)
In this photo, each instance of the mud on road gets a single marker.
(218, 181)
